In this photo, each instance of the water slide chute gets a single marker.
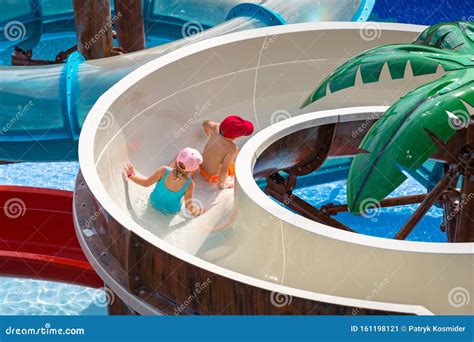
(43, 107)
(37, 238)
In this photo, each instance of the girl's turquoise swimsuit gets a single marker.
(166, 200)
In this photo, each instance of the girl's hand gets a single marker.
(129, 170)
(195, 210)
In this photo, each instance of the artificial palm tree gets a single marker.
(413, 128)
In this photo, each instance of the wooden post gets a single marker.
(331, 209)
(94, 28)
(281, 189)
(465, 228)
(429, 201)
(130, 25)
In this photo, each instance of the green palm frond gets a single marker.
(401, 140)
(423, 60)
(458, 36)
(448, 45)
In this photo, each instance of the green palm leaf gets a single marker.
(403, 138)
(458, 36)
(400, 139)
(423, 60)
(449, 45)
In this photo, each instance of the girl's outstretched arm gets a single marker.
(130, 172)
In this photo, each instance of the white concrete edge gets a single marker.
(261, 140)
(87, 162)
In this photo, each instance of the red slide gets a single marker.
(37, 237)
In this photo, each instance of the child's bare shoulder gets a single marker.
(232, 147)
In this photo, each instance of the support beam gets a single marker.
(331, 209)
(465, 227)
(429, 201)
(94, 28)
(281, 188)
(130, 25)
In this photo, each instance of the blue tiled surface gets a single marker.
(423, 12)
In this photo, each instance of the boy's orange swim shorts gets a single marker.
(215, 178)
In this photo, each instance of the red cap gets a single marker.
(234, 126)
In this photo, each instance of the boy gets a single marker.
(221, 150)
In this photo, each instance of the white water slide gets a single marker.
(151, 114)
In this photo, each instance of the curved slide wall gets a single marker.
(264, 75)
(43, 108)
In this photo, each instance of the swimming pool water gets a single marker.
(35, 297)
(59, 176)
(422, 12)
(383, 222)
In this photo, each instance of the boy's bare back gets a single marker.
(219, 152)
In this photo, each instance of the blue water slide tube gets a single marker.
(42, 108)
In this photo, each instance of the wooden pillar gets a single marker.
(130, 25)
(465, 231)
(94, 28)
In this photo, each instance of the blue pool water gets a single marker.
(423, 12)
(59, 176)
(383, 222)
(34, 297)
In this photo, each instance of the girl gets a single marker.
(172, 183)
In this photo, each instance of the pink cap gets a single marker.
(190, 158)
